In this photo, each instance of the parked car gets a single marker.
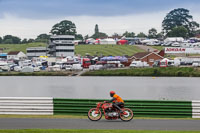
(77, 67)
(17, 68)
(56, 68)
(12, 67)
(137, 64)
(95, 67)
(36, 69)
(27, 69)
(167, 44)
(4, 66)
(196, 64)
(68, 67)
(108, 66)
(175, 44)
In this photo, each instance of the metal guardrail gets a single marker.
(141, 108)
(195, 109)
(60, 106)
(26, 105)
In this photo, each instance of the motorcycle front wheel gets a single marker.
(127, 115)
(94, 114)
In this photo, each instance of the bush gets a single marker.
(170, 71)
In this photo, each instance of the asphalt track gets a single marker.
(135, 124)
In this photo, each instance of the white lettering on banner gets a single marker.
(176, 50)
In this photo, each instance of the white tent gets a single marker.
(174, 39)
(108, 41)
(149, 40)
(90, 41)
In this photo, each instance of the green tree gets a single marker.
(180, 31)
(1, 40)
(129, 34)
(42, 38)
(142, 35)
(179, 17)
(86, 37)
(116, 35)
(98, 34)
(24, 41)
(160, 35)
(193, 28)
(96, 30)
(65, 27)
(31, 40)
(152, 33)
(78, 37)
(9, 39)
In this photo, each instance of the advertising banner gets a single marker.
(180, 50)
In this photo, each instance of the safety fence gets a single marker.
(26, 105)
(141, 108)
(195, 109)
(60, 106)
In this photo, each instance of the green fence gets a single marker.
(141, 108)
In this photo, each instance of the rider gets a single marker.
(117, 101)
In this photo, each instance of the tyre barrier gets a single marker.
(26, 105)
(61, 106)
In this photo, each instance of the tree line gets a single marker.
(177, 23)
(10, 39)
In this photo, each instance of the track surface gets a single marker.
(137, 124)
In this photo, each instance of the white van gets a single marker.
(77, 67)
(138, 64)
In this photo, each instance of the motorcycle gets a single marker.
(110, 112)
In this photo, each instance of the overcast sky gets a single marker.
(29, 18)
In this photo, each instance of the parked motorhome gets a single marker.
(4, 66)
(137, 64)
(174, 39)
(196, 64)
(77, 67)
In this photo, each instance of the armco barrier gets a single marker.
(26, 105)
(141, 108)
(195, 109)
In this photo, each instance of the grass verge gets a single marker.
(90, 131)
(36, 74)
(157, 72)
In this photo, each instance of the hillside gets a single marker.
(106, 50)
(20, 47)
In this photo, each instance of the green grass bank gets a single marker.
(106, 50)
(20, 47)
(36, 74)
(114, 50)
(157, 72)
(90, 131)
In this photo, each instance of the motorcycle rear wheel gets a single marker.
(127, 117)
(94, 114)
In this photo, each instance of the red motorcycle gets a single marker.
(110, 112)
